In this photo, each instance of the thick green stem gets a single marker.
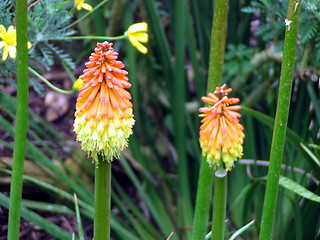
(219, 208)
(280, 125)
(102, 196)
(218, 41)
(200, 222)
(21, 120)
(218, 38)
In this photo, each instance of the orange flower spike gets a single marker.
(104, 116)
(221, 134)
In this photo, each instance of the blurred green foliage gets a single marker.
(145, 181)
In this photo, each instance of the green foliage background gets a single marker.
(147, 185)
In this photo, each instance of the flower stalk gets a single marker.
(49, 84)
(103, 38)
(102, 196)
(137, 34)
(103, 123)
(219, 208)
(281, 120)
(218, 37)
(21, 120)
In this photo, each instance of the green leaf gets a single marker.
(48, 207)
(241, 230)
(43, 223)
(312, 156)
(298, 189)
(79, 224)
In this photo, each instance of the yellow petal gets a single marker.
(2, 44)
(142, 37)
(11, 29)
(86, 6)
(138, 27)
(5, 53)
(12, 51)
(141, 48)
(78, 7)
(29, 45)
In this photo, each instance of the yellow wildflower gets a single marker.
(138, 34)
(221, 134)
(78, 84)
(81, 4)
(9, 42)
(104, 118)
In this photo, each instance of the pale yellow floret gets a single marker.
(227, 155)
(96, 139)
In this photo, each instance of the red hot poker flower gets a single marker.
(104, 118)
(221, 134)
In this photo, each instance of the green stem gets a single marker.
(218, 38)
(280, 125)
(201, 215)
(21, 120)
(219, 208)
(102, 196)
(49, 84)
(93, 37)
(85, 15)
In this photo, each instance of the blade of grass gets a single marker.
(142, 233)
(156, 210)
(137, 213)
(48, 207)
(79, 224)
(315, 101)
(179, 115)
(199, 79)
(291, 135)
(241, 230)
(49, 151)
(160, 40)
(44, 129)
(43, 159)
(43, 223)
(53, 189)
(87, 209)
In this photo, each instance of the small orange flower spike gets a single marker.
(221, 134)
(104, 118)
